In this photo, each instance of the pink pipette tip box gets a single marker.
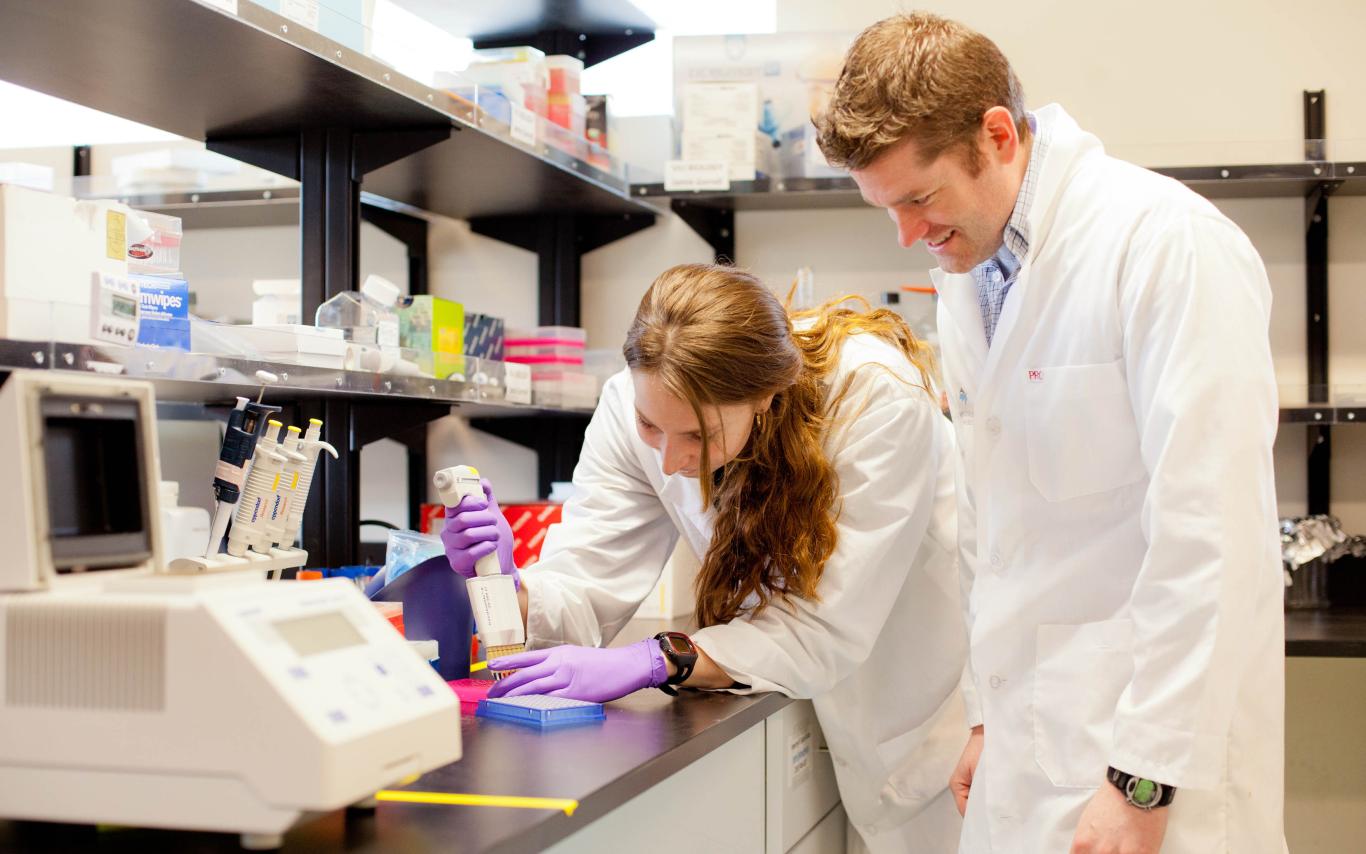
(470, 692)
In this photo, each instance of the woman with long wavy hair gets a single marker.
(805, 461)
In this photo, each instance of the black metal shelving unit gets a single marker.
(263, 89)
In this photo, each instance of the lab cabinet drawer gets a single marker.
(800, 778)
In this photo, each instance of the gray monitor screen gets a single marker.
(96, 482)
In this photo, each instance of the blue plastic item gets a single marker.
(436, 606)
(540, 711)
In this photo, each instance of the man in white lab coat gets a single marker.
(1106, 359)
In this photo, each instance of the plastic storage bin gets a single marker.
(564, 389)
(545, 336)
(531, 354)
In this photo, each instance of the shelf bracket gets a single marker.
(1319, 448)
(592, 48)
(716, 225)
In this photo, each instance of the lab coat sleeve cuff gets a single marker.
(727, 651)
(1175, 758)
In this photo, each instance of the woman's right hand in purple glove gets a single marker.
(477, 528)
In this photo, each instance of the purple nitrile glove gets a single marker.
(476, 528)
(582, 672)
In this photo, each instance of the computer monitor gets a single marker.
(84, 495)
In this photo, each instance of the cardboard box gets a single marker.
(529, 522)
(484, 336)
(165, 317)
(435, 329)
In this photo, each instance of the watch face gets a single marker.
(680, 645)
(1143, 792)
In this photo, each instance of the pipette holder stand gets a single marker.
(278, 559)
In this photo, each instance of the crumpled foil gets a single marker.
(1309, 538)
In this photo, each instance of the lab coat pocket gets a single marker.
(1080, 429)
(1079, 674)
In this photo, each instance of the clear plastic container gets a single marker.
(565, 389)
(367, 316)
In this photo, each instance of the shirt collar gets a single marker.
(1016, 237)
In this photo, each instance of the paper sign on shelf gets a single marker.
(719, 123)
(523, 125)
(116, 235)
(517, 380)
(229, 6)
(800, 746)
(690, 175)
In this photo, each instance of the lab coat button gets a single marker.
(994, 426)
(996, 681)
(996, 559)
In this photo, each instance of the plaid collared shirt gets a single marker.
(996, 275)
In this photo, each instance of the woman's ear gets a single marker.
(763, 405)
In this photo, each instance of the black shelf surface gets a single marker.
(1286, 180)
(1329, 633)
(239, 208)
(476, 174)
(202, 73)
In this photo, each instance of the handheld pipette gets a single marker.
(288, 445)
(245, 424)
(253, 511)
(493, 595)
(310, 447)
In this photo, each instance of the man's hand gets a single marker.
(961, 781)
(1110, 825)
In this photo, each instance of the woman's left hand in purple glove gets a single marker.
(582, 672)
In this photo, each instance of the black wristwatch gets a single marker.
(679, 649)
(1141, 793)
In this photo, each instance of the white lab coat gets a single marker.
(880, 655)
(1118, 515)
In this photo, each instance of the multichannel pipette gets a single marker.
(493, 595)
(245, 424)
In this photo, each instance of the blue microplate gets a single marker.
(540, 711)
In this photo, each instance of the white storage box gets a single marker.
(293, 344)
(50, 247)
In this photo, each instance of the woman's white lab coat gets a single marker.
(881, 654)
(1118, 520)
